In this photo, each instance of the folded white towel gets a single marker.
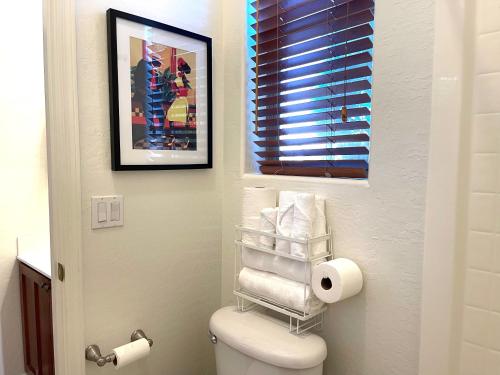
(304, 214)
(290, 293)
(319, 226)
(268, 218)
(285, 219)
(284, 267)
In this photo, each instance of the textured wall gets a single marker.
(378, 223)
(23, 162)
(480, 349)
(161, 271)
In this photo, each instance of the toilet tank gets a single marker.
(252, 343)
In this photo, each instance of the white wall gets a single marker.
(161, 271)
(480, 338)
(23, 198)
(379, 223)
(136, 279)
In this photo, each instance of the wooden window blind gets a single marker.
(310, 86)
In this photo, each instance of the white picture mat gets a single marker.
(130, 156)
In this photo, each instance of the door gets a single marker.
(36, 307)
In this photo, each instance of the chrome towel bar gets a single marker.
(93, 352)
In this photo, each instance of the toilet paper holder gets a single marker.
(93, 352)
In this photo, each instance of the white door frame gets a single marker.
(446, 184)
(63, 153)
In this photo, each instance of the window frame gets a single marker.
(250, 163)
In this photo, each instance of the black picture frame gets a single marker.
(114, 85)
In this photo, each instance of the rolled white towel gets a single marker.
(284, 267)
(268, 219)
(290, 293)
(304, 214)
(254, 200)
(285, 219)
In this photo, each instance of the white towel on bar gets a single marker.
(285, 219)
(268, 218)
(286, 292)
(304, 214)
(284, 267)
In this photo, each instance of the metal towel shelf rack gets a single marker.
(299, 321)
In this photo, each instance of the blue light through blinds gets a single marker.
(311, 135)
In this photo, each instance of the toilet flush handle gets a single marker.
(212, 337)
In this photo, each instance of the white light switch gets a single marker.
(115, 210)
(102, 212)
(107, 211)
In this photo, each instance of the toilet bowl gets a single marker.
(252, 343)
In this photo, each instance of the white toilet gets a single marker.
(252, 343)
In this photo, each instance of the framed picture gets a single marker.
(160, 89)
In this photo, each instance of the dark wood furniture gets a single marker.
(36, 307)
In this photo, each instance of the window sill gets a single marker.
(312, 180)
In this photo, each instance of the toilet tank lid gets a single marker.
(267, 339)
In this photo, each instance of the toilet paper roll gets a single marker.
(257, 198)
(130, 352)
(254, 200)
(336, 280)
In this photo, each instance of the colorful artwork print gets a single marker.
(160, 94)
(163, 97)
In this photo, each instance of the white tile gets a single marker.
(495, 293)
(487, 93)
(488, 16)
(495, 255)
(473, 360)
(477, 289)
(482, 212)
(488, 53)
(480, 251)
(485, 173)
(496, 226)
(486, 133)
(476, 326)
(494, 331)
(497, 214)
(492, 366)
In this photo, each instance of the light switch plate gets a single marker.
(107, 211)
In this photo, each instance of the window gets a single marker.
(310, 86)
